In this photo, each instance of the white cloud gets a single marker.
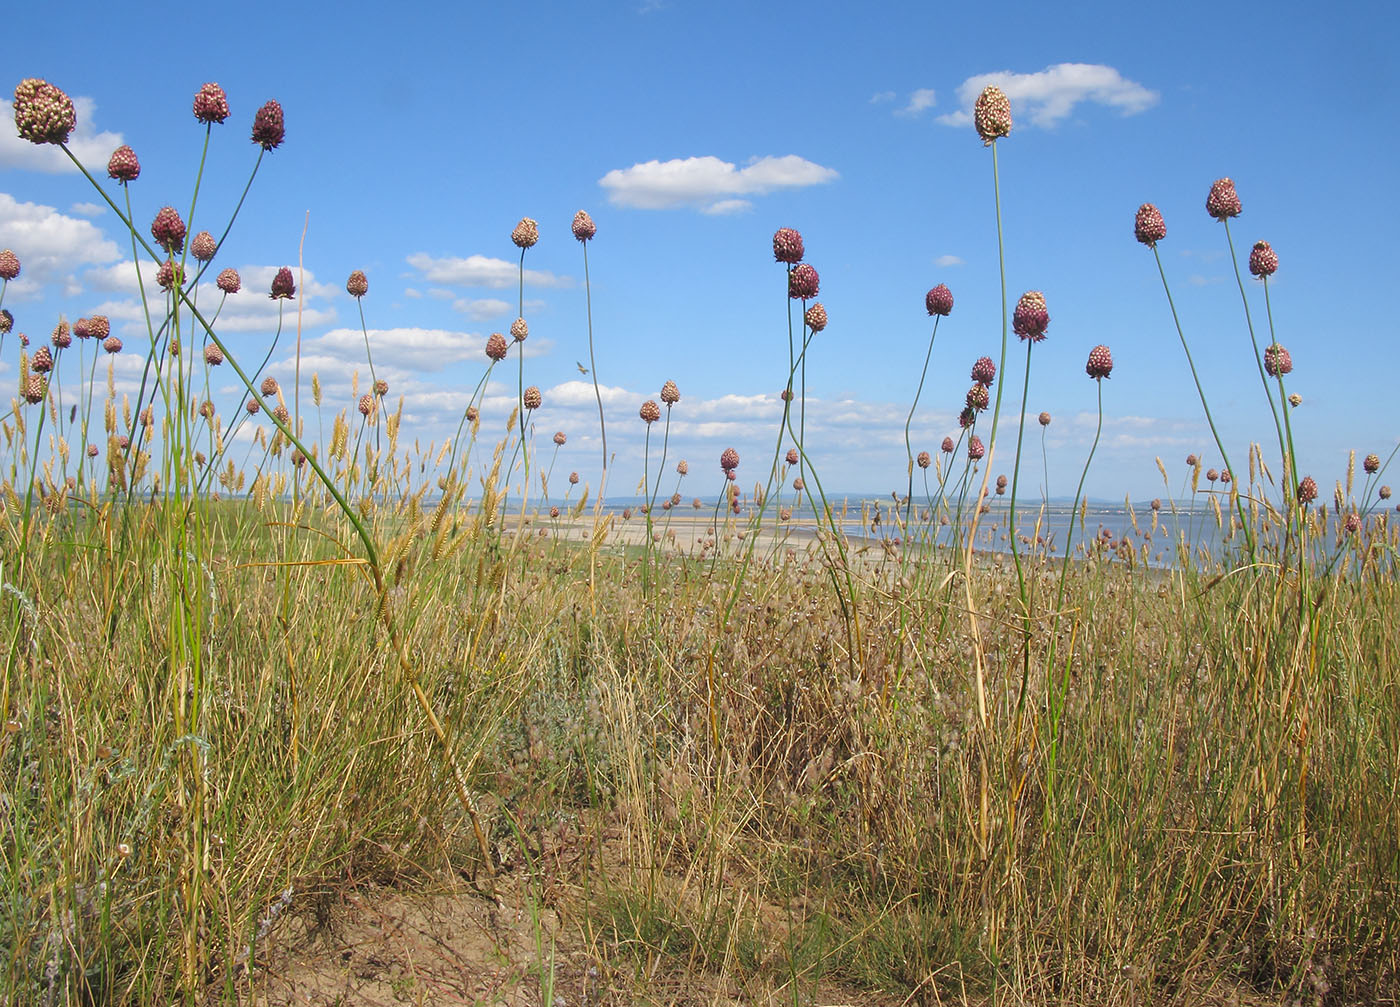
(481, 309)
(1048, 97)
(726, 206)
(708, 183)
(90, 147)
(49, 244)
(919, 101)
(480, 271)
(412, 348)
(881, 96)
(88, 209)
(947, 261)
(411, 292)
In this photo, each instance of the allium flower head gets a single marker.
(366, 404)
(229, 281)
(168, 230)
(380, 388)
(7, 320)
(1031, 317)
(984, 371)
(1372, 464)
(924, 459)
(1383, 492)
(124, 166)
(170, 274)
(1223, 201)
(9, 265)
(670, 394)
(1100, 363)
(560, 437)
(34, 389)
(253, 406)
(358, 284)
(279, 413)
(803, 282)
(112, 344)
(62, 336)
(42, 361)
(526, 233)
(1353, 523)
(283, 289)
(792, 457)
(1212, 475)
(211, 104)
(472, 414)
(815, 317)
(787, 246)
(1001, 484)
(268, 387)
(519, 330)
(43, 113)
(203, 246)
(1263, 260)
(939, 300)
(947, 445)
(650, 411)
(583, 226)
(1295, 400)
(729, 460)
(992, 114)
(573, 478)
(967, 417)
(978, 397)
(532, 397)
(99, 327)
(496, 347)
(1149, 227)
(682, 467)
(1192, 461)
(1277, 360)
(269, 126)
(213, 356)
(975, 449)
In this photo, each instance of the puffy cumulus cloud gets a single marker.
(88, 209)
(480, 271)
(481, 309)
(403, 348)
(1049, 97)
(50, 245)
(920, 101)
(709, 184)
(89, 146)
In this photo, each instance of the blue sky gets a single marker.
(417, 138)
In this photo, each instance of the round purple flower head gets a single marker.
(792, 456)
(787, 246)
(947, 445)
(9, 265)
(43, 113)
(7, 320)
(229, 281)
(670, 393)
(1372, 464)
(815, 317)
(1100, 363)
(803, 282)
(1031, 318)
(269, 126)
(924, 460)
(975, 450)
(984, 371)
(1307, 490)
(560, 438)
(532, 397)
(967, 417)
(526, 233)
(1263, 260)
(992, 114)
(1149, 227)
(211, 104)
(729, 460)
(1223, 201)
(1277, 361)
(170, 274)
(168, 230)
(583, 227)
(1045, 419)
(358, 284)
(203, 246)
(283, 289)
(978, 397)
(124, 166)
(496, 347)
(650, 412)
(939, 300)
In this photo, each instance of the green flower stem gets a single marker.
(1259, 360)
(908, 446)
(593, 370)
